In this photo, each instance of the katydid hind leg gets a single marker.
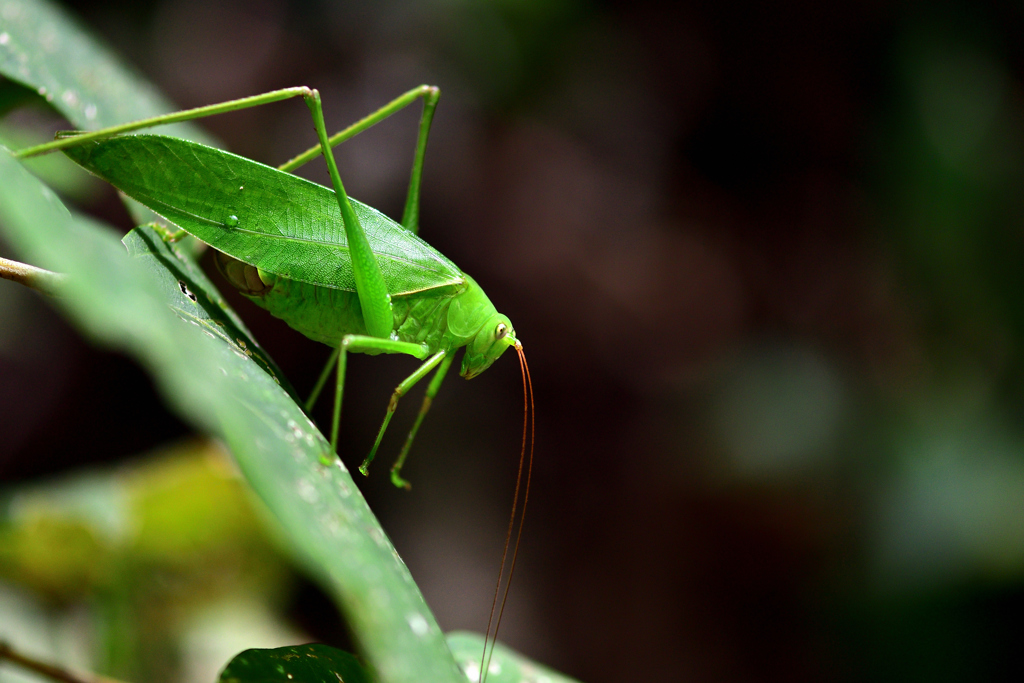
(369, 280)
(400, 391)
(428, 399)
(430, 95)
(370, 286)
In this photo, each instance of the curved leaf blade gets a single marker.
(276, 221)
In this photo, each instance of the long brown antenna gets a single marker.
(528, 420)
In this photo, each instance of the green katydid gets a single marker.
(356, 281)
(334, 269)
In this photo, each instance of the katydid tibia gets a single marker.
(334, 269)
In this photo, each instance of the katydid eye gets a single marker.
(501, 331)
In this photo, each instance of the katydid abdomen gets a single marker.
(326, 314)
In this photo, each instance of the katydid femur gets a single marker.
(334, 269)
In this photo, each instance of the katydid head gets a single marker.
(494, 336)
(473, 322)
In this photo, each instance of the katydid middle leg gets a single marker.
(321, 381)
(363, 343)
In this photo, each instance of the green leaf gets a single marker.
(276, 221)
(313, 663)
(123, 302)
(506, 665)
(44, 49)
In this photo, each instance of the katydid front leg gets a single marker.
(444, 358)
(428, 399)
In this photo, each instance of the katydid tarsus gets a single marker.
(334, 269)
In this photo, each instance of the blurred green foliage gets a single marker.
(149, 545)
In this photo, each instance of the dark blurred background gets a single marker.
(765, 260)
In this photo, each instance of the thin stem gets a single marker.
(50, 671)
(44, 281)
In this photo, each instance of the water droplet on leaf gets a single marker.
(418, 624)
